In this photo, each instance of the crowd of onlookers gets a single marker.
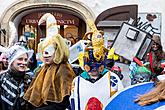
(55, 84)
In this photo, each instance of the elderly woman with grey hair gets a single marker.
(14, 81)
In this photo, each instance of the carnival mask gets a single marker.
(91, 64)
(140, 77)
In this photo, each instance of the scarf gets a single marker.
(51, 83)
(17, 75)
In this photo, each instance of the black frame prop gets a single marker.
(132, 42)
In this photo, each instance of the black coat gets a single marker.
(56, 106)
(12, 88)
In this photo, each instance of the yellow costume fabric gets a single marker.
(62, 51)
(97, 41)
(112, 55)
(50, 84)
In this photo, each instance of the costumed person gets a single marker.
(70, 37)
(141, 75)
(14, 81)
(23, 41)
(92, 89)
(117, 70)
(3, 58)
(152, 64)
(12, 41)
(148, 95)
(111, 59)
(139, 72)
(51, 86)
(110, 63)
(3, 61)
(155, 56)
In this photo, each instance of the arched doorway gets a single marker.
(70, 26)
(111, 19)
(21, 10)
(119, 13)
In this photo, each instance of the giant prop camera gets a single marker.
(132, 42)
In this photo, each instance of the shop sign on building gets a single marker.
(62, 18)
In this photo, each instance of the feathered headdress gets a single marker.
(94, 55)
(52, 82)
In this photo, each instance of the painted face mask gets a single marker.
(142, 74)
(91, 64)
(48, 54)
(48, 51)
(140, 78)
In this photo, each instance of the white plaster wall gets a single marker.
(4, 5)
(158, 6)
(98, 6)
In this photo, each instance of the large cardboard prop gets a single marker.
(76, 49)
(132, 42)
(124, 100)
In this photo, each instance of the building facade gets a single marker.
(71, 16)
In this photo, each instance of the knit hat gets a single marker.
(15, 51)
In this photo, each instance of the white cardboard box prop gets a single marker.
(131, 41)
(76, 49)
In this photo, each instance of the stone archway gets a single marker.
(17, 10)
